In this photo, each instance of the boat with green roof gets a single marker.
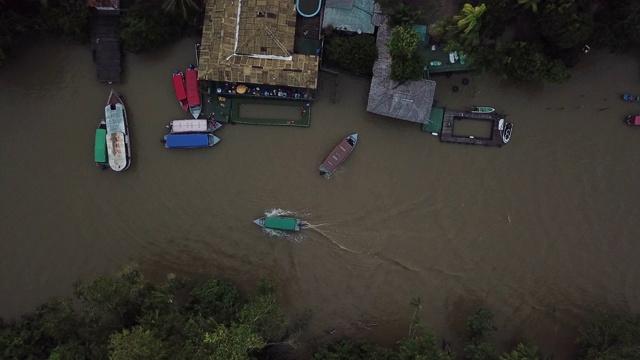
(281, 223)
(100, 147)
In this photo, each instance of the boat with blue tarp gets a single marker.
(190, 141)
(281, 223)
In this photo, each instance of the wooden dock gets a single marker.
(105, 42)
(448, 124)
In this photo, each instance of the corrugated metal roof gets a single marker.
(340, 4)
(353, 18)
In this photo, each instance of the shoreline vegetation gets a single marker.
(126, 316)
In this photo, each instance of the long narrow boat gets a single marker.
(281, 223)
(193, 94)
(189, 141)
(338, 155)
(482, 109)
(193, 126)
(179, 87)
(118, 145)
(100, 148)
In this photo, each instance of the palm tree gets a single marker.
(533, 4)
(173, 6)
(469, 16)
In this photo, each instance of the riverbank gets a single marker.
(539, 231)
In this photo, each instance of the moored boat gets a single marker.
(338, 155)
(281, 223)
(633, 120)
(179, 87)
(100, 149)
(193, 126)
(117, 136)
(482, 109)
(506, 128)
(631, 98)
(193, 93)
(189, 141)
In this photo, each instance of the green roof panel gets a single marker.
(100, 153)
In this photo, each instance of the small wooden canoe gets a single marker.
(338, 155)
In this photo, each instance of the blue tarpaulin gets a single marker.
(176, 141)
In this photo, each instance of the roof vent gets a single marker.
(260, 14)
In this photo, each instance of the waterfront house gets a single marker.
(411, 101)
(249, 44)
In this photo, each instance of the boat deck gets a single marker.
(450, 117)
(304, 109)
(434, 124)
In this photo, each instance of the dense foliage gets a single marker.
(124, 315)
(611, 337)
(406, 62)
(146, 27)
(356, 53)
(128, 317)
(533, 40)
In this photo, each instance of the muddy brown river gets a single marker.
(540, 230)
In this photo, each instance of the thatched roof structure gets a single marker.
(251, 41)
(411, 101)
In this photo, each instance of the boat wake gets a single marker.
(298, 238)
(283, 212)
(329, 235)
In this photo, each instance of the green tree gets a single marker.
(530, 4)
(406, 62)
(524, 352)
(565, 23)
(523, 62)
(479, 328)
(610, 337)
(347, 349)
(356, 54)
(421, 344)
(470, 17)
(67, 19)
(184, 7)
(617, 25)
(136, 344)
(499, 15)
(400, 12)
(146, 27)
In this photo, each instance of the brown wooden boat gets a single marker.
(338, 155)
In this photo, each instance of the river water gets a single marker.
(540, 230)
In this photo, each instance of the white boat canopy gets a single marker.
(182, 126)
(117, 151)
(115, 118)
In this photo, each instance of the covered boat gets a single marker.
(506, 128)
(117, 136)
(629, 97)
(193, 126)
(633, 120)
(281, 223)
(482, 109)
(181, 92)
(100, 148)
(193, 93)
(190, 141)
(338, 155)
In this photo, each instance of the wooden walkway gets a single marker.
(448, 124)
(105, 42)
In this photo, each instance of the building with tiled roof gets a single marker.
(252, 41)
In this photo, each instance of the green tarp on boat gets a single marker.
(100, 153)
(280, 223)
